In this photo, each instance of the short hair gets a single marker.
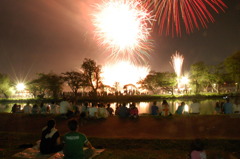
(197, 145)
(72, 125)
(51, 123)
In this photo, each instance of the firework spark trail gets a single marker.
(193, 13)
(123, 26)
(176, 62)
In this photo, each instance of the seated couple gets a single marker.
(72, 144)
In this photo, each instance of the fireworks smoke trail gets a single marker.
(192, 13)
(177, 61)
(123, 27)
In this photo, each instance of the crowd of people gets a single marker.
(73, 142)
(123, 110)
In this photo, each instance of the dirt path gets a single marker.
(146, 127)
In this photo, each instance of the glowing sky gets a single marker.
(42, 36)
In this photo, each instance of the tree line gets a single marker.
(201, 76)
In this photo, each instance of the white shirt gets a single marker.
(64, 107)
(236, 108)
(195, 108)
(27, 109)
(92, 111)
(55, 109)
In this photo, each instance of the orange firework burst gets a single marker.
(116, 72)
(123, 26)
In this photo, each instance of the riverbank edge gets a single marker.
(126, 98)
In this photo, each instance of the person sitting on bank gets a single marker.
(180, 109)
(154, 109)
(123, 111)
(50, 139)
(93, 111)
(228, 107)
(102, 111)
(74, 142)
(133, 111)
(27, 109)
(236, 107)
(195, 107)
(165, 109)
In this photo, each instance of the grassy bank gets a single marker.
(12, 143)
(145, 138)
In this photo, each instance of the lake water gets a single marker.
(207, 106)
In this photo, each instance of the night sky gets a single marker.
(56, 35)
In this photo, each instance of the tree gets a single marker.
(92, 73)
(164, 80)
(232, 65)
(199, 73)
(150, 82)
(217, 76)
(167, 81)
(75, 80)
(46, 83)
(5, 85)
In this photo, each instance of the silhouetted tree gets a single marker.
(232, 65)
(50, 83)
(75, 80)
(92, 73)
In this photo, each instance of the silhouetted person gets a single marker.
(50, 139)
(74, 142)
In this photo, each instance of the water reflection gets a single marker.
(207, 106)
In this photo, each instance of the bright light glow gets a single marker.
(177, 61)
(184, 80)
(186, 108)
(20, 86)
(143, 107)
(123, 26)
(124, 73)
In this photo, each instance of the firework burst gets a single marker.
(123, 26)
(116, 72)
(170, 14)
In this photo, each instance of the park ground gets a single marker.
(144, 138)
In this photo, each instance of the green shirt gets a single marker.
(73, 145)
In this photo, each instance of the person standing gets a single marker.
(73, 143)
